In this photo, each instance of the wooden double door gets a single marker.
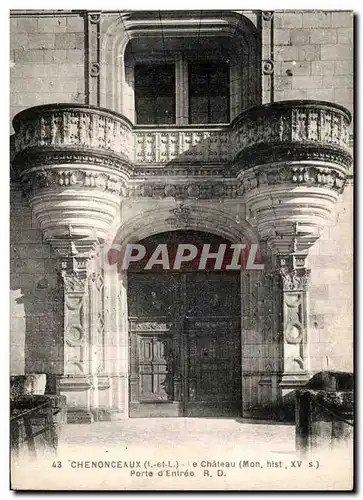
(185, 344)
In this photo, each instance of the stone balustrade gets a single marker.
(182, 145)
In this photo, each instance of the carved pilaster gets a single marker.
(96, 336)
(295, 280)
(74, 278)
(267, 27)
(93, 57)
(84, 359)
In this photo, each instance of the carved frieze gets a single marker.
(34, 180)
(202, 190)
(292, 122)
(77, 126)
(309, 175)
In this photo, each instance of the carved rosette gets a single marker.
(73, 163)
(292, 159)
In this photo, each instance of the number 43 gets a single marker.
(57, 465)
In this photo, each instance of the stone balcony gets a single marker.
(77, 162)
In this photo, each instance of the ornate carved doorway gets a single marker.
(185, 337)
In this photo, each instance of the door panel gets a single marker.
(213, 369)
(155, 368)
(185, 357)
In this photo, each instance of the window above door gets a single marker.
(182, 92)
(154, 94)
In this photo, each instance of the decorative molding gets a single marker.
(310, 175)
(203, 190)
(150, 326)
(288, 152)
(306, 141)
(267, 56)
(93, 58)
(33, 181)
(93, 143)
(189, 170)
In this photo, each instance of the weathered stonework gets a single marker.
(275, 176)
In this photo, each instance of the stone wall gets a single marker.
(47, 60)
(331, 291)
(313, 53)
(36, 306)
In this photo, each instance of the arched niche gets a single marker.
(179, 35)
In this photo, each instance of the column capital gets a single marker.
(74, 264)
(292, 270)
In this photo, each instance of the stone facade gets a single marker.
(83, 174)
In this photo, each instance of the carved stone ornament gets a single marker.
(95, 69)
(95, 18)
(294, 280)
(33, 181)
(267, 67)
(310, 175)
(181, 216)
(74, 283)
(267, 15)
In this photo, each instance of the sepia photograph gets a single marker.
(181, 250)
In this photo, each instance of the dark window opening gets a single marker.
(208, 92)
(155, 94)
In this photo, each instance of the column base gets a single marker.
(293, 381)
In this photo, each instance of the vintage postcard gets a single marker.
(181, 250)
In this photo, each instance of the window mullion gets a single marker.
(181, 84)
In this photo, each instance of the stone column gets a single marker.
(84, 360)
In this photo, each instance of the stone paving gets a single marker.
(201, 432)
